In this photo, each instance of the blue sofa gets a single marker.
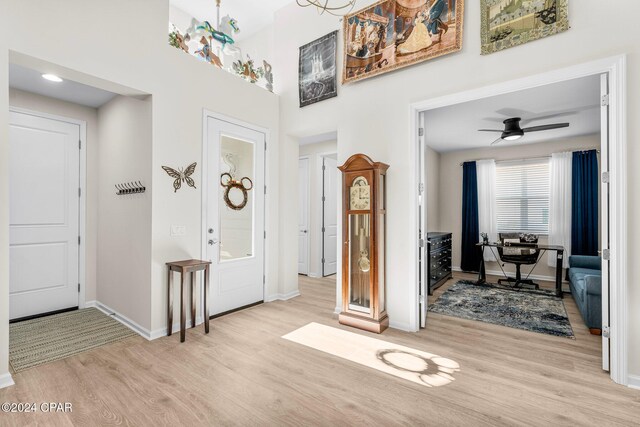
(585, 279)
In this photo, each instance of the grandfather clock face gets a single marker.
(360, 194)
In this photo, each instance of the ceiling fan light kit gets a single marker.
(513, 131)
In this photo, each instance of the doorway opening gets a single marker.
(592, 120)
(317, 206)
(73, 139)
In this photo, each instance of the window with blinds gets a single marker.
(522, 196)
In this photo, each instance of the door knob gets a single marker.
(211, 231)
(212, 242)
(304, 231)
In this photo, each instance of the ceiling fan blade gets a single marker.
(497, 141)
(491, 130)
(546, 127)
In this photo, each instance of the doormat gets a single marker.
(500, 305)
(46, 339)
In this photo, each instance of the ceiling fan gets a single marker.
(513, 131)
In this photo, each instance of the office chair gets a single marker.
(518, 255)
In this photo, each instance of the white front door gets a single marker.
(303, 216)
(44, 182)
(234, 230)
(330, 217)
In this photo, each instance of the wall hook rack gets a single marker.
(135, 187)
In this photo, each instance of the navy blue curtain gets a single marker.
(470, 254)
(584, 203)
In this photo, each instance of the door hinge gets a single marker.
(606, 254)
(420, 188)
(265, 146)
(420, 131)
(421, 243)
(605, 177)
(79, 192)
(324, 167)
(78, 240)
(323, 260)
(265, 189)
(606, 333)
(323, 198)
(264, 279)
(323, 229)
(265, 234)
(604, 100)
(79, 144)
(421, 299)
(78, 287)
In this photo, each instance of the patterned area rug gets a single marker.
(517, 308)
(43, 340)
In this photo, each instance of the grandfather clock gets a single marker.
(363, 249)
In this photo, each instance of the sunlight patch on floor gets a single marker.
(403, 362)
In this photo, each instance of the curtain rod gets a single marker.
(527, 158)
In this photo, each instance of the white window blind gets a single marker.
(522, 196)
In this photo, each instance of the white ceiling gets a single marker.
(575, 101)
(31, 80)
(252, 15)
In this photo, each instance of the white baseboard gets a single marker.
(338, 310)
(401, 326)
(143, 332)
(6, 380)
(282, 297)
(633, 381)
(314, 275)
(91, 304)
(510, 274)
(162, 332)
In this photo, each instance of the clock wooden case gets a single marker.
(363, 249)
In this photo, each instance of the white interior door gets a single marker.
(423, 279)
(604, 212)
(329, 217)
(234, 236)
(303, 216)
(44, 212)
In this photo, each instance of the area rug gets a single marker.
(43, 340)
(532, 311)
(417, 366)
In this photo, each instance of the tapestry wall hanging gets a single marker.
(317, 71)
(508, 23)
(392, 34)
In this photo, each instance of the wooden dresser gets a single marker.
(439, 259)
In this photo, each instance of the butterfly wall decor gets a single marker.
(181, 176)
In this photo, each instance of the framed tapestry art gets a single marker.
(508, 23)
(392, 34)
(317, 71)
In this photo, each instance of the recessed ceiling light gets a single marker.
(52, 78)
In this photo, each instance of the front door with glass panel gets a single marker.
(234, 228)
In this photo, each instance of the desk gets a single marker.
(482, 275)
(184, 267)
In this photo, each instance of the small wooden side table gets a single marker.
(183, 267)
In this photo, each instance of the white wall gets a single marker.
(124, 226)
(43, 104)
(315, 152)
(450, 191)
(125, 42)
(372, 116)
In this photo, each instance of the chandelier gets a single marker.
(334, 7)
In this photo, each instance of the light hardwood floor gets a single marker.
(244, 373)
